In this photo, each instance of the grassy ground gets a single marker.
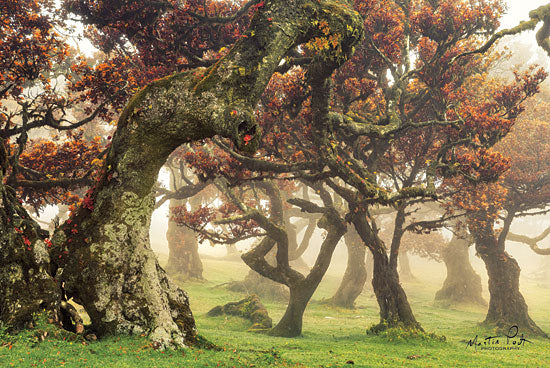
(332, 337)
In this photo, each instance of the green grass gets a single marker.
(331, 336)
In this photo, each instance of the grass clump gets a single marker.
(396, 334)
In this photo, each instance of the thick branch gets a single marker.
(531, 241)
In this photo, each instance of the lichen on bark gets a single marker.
(110, 268)
(26, 285)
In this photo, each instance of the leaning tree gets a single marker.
(101, 255)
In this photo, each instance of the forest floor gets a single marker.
(332, 337)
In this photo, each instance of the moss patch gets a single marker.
(250, 308)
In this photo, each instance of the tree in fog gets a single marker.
(345, 146)
(183, 190)
(101, 255)
(122, 287)
(35, 62)
(523, 191)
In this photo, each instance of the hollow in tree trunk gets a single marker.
(462, 284)
(507, 306)
(355, 275)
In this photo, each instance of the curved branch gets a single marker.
(542, 13)
(184, 192)
(223, 20)
(53, 183)
(261, 165)
(531, 241)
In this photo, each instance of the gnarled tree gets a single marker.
(122, 287)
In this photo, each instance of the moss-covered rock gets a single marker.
(250, 308)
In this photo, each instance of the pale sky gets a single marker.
(519, 10)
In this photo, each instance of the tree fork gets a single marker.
(109, 267)
(395, 310)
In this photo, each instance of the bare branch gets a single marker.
(531, 241)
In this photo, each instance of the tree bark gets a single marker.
(507, 306)
(110, 268)
(462, 284)
(395, 310)
(355, 275)
(369, 261)
(291, 323)
(26, 284)
(302, 290)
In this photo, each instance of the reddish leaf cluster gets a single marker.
(29, 45)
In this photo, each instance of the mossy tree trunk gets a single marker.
(462, 284)
(109, 266)
(355, 275)
(507, 306)
(26, 284)
(395, 310)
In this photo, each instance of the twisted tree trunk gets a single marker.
(507, 306)
(109, 267)
(355, 275)
(395, 310)
(302, 288)
(462, 284)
